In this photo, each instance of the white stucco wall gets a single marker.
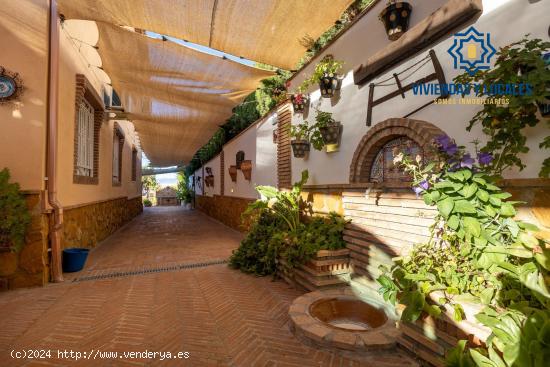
(257, 144)
(198, 188)
(506, 20)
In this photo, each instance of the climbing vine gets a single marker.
(520, 65)
(14, 214)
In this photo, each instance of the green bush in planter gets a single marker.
(14, 214)
(282, 228)
(147, 203)
(477, 253)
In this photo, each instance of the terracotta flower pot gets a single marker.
(328, 85)
(233, 173)
(396, 18)
(299, 102)
(300, 148)
(246, 168)
(331, 133)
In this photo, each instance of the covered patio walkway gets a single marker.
(220, 316)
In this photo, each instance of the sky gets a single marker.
(166, 179)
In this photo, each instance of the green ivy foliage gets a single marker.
(506, 125)
(15, 217)
(254, 106)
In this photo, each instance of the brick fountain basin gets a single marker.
(337, 319)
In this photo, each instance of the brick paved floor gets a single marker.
(222, 317)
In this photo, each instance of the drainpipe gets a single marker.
(51, 151)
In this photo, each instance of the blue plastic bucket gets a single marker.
(74, 259)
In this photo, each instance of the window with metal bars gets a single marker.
(85, 140)
(383, 169)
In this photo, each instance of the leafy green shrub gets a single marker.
(506, 125)
(257, 253)
(282, 229)
(476, 253)
(147, 203)
(183, 192)
(14, 214)
(318, 233)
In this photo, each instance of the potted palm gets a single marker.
(326, 74)
(396, 18)
(300, 142)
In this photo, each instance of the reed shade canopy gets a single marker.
(176, 96)
(267, 31)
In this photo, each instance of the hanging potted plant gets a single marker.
(326, 74)
(300, 142)
(329, 129)
(396, 18)
(300, 101)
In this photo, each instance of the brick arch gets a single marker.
(421, 132)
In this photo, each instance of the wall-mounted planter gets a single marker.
(233, 173)
(328, 85)
(396, 18)
(209, 180)
(299, 102)
(331, 135)
(246, 168)
(300, 148)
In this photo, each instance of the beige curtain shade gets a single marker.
(267, 31)
(176, 96)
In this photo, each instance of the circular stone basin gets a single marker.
(337, 319)
(347, 314)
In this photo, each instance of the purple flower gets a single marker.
(467, 161)
(484, 158)
(417, 190)
(451, 149)
(424, 185)
(443, 140)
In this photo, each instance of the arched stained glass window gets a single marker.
(383, 169)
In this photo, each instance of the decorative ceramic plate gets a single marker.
(10, 85)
